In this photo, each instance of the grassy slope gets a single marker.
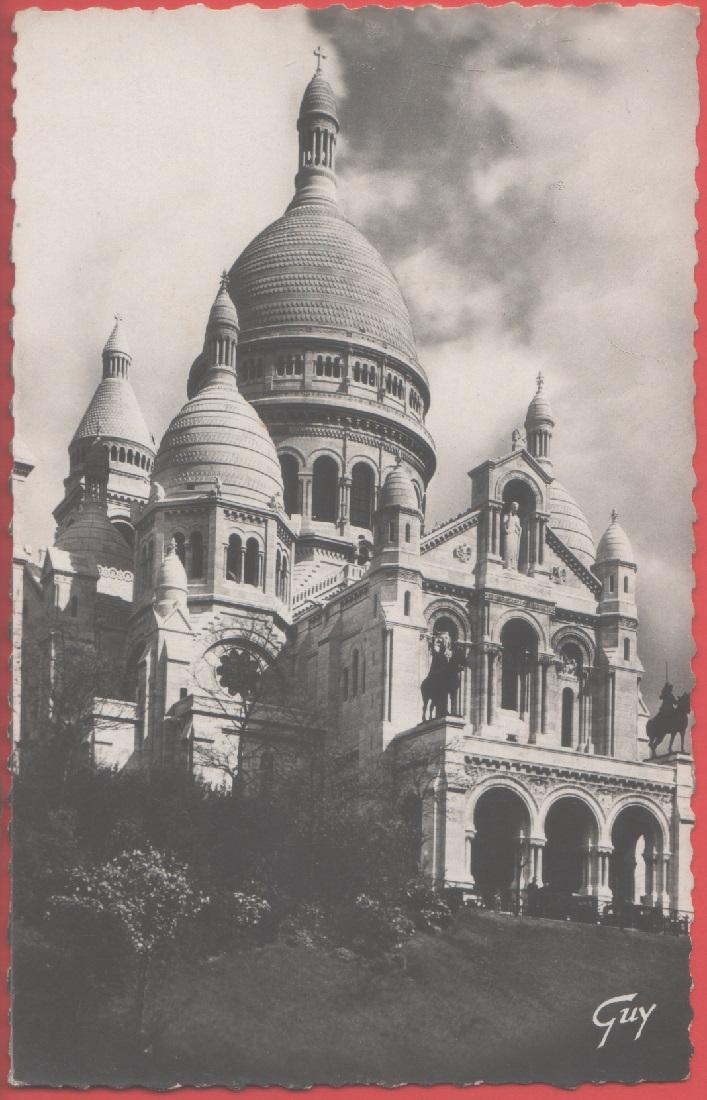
(493, 999)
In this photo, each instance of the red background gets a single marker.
(696, 1086)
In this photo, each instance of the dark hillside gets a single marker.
(492, 998)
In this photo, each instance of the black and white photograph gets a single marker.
(352, 572)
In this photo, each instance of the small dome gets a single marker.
(223, 312)
(569, 523)
(614, 544)
(318, 98)
(218, 435)
(539, 411)
(116, 344)
(92, 533)
(114, 413)
(398, 490)
(172, 574)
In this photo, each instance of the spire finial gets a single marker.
(614, 515)
(119, 317)
(320, 56)
(540, 380)
(224, 280)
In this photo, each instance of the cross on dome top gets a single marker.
(224, 280)
(320, 56)
(540, 380)
(614, 515)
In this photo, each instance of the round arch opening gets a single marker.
(635, 870)
(499, 852)
(572, 836)
(519, 658)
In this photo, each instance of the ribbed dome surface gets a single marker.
(318, 97)
(223, 312)
(93, 534)
(614, 545)
(312, 268)
(569, 523)
(539, 409)
(114, 413)
(219, 434)
(398, 490)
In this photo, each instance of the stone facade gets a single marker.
(490, 665)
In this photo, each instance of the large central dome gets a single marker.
(313, 268)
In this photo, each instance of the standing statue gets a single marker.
(671, 719)
(441, 684)
(513, 529)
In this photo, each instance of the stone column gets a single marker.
(305, 493)
(494, 655)
(483, 681)
(664, 881)
(469, 855)
(602, 889)
(242, 565)
(261, 569)
(537, 845)
(546, 661)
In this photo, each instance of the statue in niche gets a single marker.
(441, 684)
(513, 529)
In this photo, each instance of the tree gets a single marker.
(147, 894)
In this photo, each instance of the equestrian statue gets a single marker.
(441, 683)
(671, 719)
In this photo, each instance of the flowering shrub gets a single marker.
(427, 909)
(373, 928)
(147, 893)
(249, 910)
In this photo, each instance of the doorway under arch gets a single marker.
(635, 866)
(571, 833)
(499, 851)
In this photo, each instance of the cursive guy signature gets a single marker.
(607, 1014)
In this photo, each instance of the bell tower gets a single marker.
(318, 129)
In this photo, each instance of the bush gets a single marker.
(428, 909)
(372, 928)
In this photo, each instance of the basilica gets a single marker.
(491, 663)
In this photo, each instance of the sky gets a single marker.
(527, 173)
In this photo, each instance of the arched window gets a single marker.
(519, 657)
(114, 453)
(325, 476)
(278, 573)
(612, 582)
(143, 461)
(233, 558)
(362, 485)
(121, 454)
(407, 532)
(354, 673)
(625, 584)
(196, 562)
(345, 684)
(392, 531)
(290, 480)
(627, 649)
(407, 601)
(130, 456)
(251, 562)
(567, 717)
(180, 544)
(285, 593)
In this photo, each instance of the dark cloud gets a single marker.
(416, 75)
